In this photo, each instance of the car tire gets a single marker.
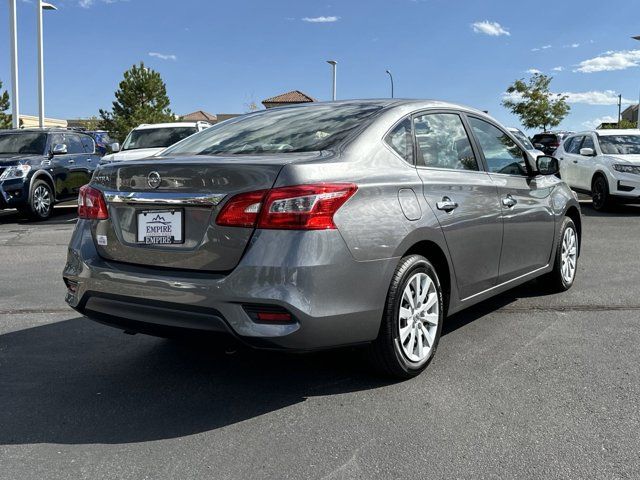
(406, 330)
(40, 201)
(565, 266)
(600, 194)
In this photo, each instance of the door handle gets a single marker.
(446, 205)
(89, 160)
(575, 161)
(72, 161)
(509, 201)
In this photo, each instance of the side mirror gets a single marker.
(587, 152)
(59, 149)
(115, 147)
(547, 165)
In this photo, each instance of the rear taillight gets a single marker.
(91, 204)
(301, 207)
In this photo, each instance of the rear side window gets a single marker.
(443, 142)
(87, 144)
(502, 154)
(400, 140)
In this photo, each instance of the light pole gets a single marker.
(13, 32)
(390, 78)
(637, 37)
(333, 63)
(41, 6)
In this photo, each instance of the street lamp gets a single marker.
(390, 78)
(637, 37)
(333, 63)
(41, 6)
(13, 32)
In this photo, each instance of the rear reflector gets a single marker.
(301, 207)
(91, 204)
(268, 314)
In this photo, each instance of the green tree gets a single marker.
(625, 124)
(141, 98)
(5, 118)
(534, 103)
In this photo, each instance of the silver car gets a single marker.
(323, 225)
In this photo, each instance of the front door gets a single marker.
(463, 198)
(529, 225)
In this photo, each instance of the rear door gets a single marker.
(463, 197)
(527, 214)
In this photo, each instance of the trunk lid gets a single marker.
(197, 188)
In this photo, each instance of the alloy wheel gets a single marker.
(42, 200)
(418, 317)
(569, 255)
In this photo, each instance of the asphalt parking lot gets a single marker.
(526, 385)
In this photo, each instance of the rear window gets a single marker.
(545, 138)
(156, 137)
(281, 130)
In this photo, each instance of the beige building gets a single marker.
(31, 121)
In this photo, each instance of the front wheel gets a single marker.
(40, 201)
(600, 194)
(566, 259)
(412, 320)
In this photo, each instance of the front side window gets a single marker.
(620, 144)
(88, 145)
(156, 137)
(308, 128)
(574, 147)
(28, 143)
(443, 142)
(400, 140)
(501, 153)
(74, 144)
(588, 143)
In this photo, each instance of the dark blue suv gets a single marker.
(39, 168)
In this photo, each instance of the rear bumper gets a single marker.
(333, 299)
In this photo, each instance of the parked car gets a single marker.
(323, 225)
(604, 164)
(147, 140)
(103, 141)
(548, 142)
(524, 140)
(39, 168)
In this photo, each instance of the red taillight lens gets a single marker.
(91, 204)
(241, 210)
(304, 207)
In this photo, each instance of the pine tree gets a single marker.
(5, 118)
(534, 103)
(141, 98)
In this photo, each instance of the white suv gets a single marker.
(147, 140)
(604, 164)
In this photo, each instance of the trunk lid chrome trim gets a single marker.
(165, 198)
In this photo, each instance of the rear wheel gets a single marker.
(412, 320)
(600, 193)
(40, 201)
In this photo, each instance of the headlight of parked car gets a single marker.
(17, 171)
(628, 168)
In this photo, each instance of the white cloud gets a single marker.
(533, 71)
(545, 47)
(493, 29)
(557, 69)
(606, 97)
(573, 45)
(85, 3)
(592, 124)
(535, 49)
(321, 19)
(609, 61)
(163, 56)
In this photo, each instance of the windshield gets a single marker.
(31, 143)
(156, 137)
(620, 144)
(523, 139)
(295, 129)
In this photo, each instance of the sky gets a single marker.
(221, 55)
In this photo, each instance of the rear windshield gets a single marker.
(30, 143)
(156, 137)
(620, 144)
(296, 129)
(545, 139)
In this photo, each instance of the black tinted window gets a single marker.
(400, 139)
(545, 138)
(25, 142)
(294, 129)
(443, 143)
(87, 144)
(74, 145)
(502, 154)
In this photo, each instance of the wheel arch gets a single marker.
(45, 176)
(574, 214)
(596, 174)
(434, 253)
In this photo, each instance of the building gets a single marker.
(200, 116)
(289, 98)
(31, 121)
(630, 114)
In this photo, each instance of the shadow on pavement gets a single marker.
(618, 210)
(62, 215)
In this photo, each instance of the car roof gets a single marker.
(146, 126)
(616, 131)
